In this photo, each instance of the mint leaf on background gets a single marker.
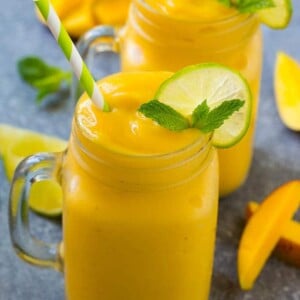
(164, 115)
(44, 78)
(208, 120)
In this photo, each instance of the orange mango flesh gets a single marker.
(287, 90)
(78, 21)
(110, 12)
(79, 16)
(288, 247)
(264, 230)
(124, 129)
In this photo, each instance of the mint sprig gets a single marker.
(164, 115)
(203, 118)
(248, 6)
(208, 120)
(226, 2)
(46, 79)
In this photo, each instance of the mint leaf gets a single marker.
(202, 118)
(164, 115)
(248, 6)
(208, 121)
(252, 6)
(200, 114)
(44, 78)
(226, 2)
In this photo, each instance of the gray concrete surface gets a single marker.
(276, 160)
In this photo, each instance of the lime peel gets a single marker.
(215, 83)
(279, 16)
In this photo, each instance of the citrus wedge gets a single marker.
(287, 90)
(279, 16)
(15, 144)
(46, 198)
(215, 83)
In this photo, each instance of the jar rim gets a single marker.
(221, 21)
(200, 143)
(130, 172)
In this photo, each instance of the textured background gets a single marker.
(276, 160)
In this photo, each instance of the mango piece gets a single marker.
(79, 21)
(287, 90)
(288, 247)
(62, 8)
(79, 16)
(111, 12)
(264, 230)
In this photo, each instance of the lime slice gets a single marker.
(277, 17)
(189, 87)
(46, 198)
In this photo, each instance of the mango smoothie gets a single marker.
(140, 206)
(170, 34)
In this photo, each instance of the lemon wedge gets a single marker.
(16, 144)
(279, 16)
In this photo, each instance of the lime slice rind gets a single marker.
(215, 83)
(46, 198)
(279, 16)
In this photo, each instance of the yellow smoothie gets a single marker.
(140, 207)
(171, 34)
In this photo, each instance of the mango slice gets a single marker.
(79, 16)
(288, 247)
(62, 8)
(111, 12)
(264, 230)
(80, 20)
(287, 90)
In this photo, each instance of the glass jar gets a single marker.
(135, 226)
(151, 40)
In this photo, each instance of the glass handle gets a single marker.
(104, 39)
(39, 167)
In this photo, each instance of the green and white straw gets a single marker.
(64, 41)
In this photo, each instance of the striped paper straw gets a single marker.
(64, 41)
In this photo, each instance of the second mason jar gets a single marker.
(167, 35)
